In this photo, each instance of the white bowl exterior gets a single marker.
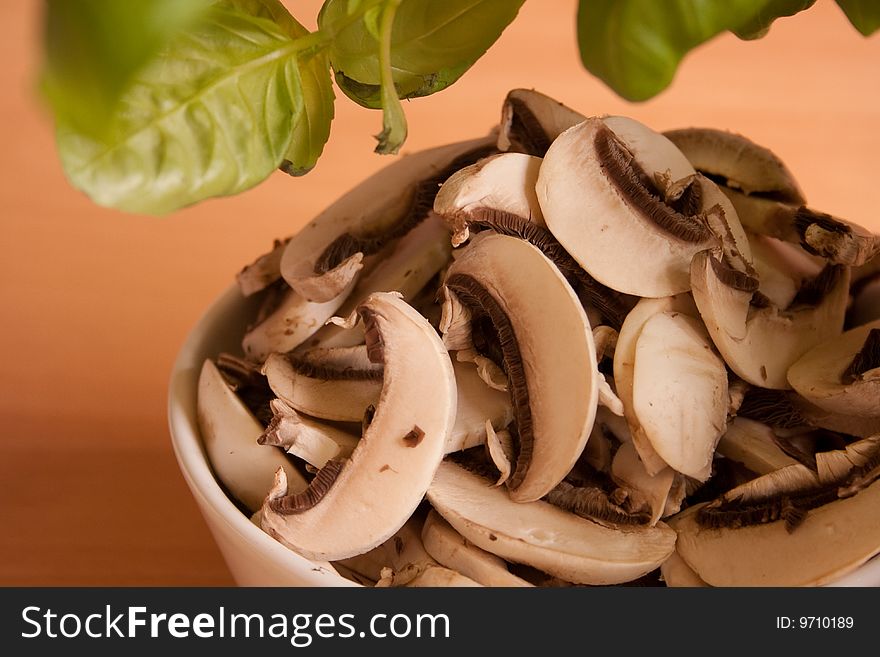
(253, 557)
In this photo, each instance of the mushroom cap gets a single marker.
(385, 479)
(596, 221)
(229, 433)
(818, 375)
(833, 540)
(556, 355)
(544, 536)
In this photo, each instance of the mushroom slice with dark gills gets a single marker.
(314, 442)
(454, 551)
(544, 536)
(498, 193)
(354, 505)
(326, 391)
(611, 185)
(500, 184)
(842, 375)
(547, 349)
(289, 322)
(325, 257)
(759, 340)
(738, 163)
(229, 433)
(414, 260)
(784, 529)
(530, 121)
(768, 199)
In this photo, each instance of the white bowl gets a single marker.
(253, 557)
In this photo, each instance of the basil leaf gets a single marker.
(312, 128)
(93, 48)
(213, 115)
(433, 42)
(863, 14)
(758, 26)
(635, 46)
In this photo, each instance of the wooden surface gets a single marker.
(96, 302)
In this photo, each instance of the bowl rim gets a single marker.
(194, 465)
(193, 461)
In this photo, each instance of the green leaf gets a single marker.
(433, 42)
(214, 114)
(760, 24)
(863, 14)
(393, 118)
(635, 46)
(93, 49)
(312, 128)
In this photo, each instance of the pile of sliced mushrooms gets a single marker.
(573, 352)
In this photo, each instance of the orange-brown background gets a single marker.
(95, 302)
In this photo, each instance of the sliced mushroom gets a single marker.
(229, 433)
(760, 343)
(680, 392)
(330, 394)
(323, 260)
(624, 368)
(437, 576)
(835, 465)
(498, 186)
(262, 272)
(629, 472)
(767, 198)
(478, 404)
(831, 541)
(842, 375)
(498, 194)
(781, 268)
(499, 447)
(611, 186)
(452, 550)
(543, 536)
(290, 324)
(837, 240)
(548, 353)
(737, 162)
(404, 550)
(352, 506)
(677, 574)
(313, 442)
(530, 121)
(414, 260)
(754, 445)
